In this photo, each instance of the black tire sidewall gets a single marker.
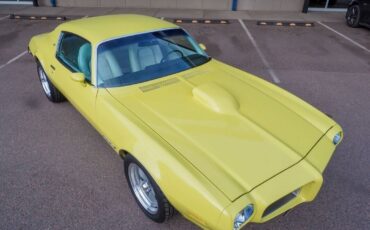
(356, 23)
(160, 216)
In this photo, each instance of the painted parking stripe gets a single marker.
(344, 36)
(262, 56)
(13, 59)
(5, 17)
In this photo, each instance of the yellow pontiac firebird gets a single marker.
(219, 145)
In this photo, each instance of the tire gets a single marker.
(51, 92)
(353, 16)
(144, 188)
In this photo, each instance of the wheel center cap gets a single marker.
(145, 186)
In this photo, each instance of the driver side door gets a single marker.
(74, 55)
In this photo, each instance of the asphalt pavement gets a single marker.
(57, 172)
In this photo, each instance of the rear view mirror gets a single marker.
(202, 46)
(78, 77)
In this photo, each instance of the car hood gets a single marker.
(226, 126)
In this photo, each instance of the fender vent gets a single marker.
(159, 85)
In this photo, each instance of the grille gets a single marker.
(277, 204)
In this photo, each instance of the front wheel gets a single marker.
(147, 193)
(353, 16)
(51, 92)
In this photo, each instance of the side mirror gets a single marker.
(202, 46)
(78, 77)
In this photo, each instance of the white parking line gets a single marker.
(344, 36)
(265, 62)
(13, 59)
(2, 18)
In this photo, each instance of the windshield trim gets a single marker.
(119, 37)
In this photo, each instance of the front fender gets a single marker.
(320, 155)
(187, 189)
(352, 2)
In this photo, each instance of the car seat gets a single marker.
(108, 66)
(149, 55)
(84, 60)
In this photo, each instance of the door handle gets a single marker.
(51, 66)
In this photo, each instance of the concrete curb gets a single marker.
(175, 13)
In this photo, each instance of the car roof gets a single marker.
(101, 28)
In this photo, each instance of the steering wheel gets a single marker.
(165, 58)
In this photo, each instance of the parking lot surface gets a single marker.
(57, 172)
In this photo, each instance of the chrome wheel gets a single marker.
(142, 188)
(44, 82)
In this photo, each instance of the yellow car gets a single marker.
(219, 145)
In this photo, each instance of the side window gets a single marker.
(75, 53)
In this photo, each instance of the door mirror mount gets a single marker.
(78, 77)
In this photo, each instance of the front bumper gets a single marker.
(295, 185)
(301, 176)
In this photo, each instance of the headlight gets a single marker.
(337, 137)
(243, 216)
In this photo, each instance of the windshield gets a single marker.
(144, 57)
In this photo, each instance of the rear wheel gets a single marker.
(51, 92)
(353, 16)
(147, 193)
